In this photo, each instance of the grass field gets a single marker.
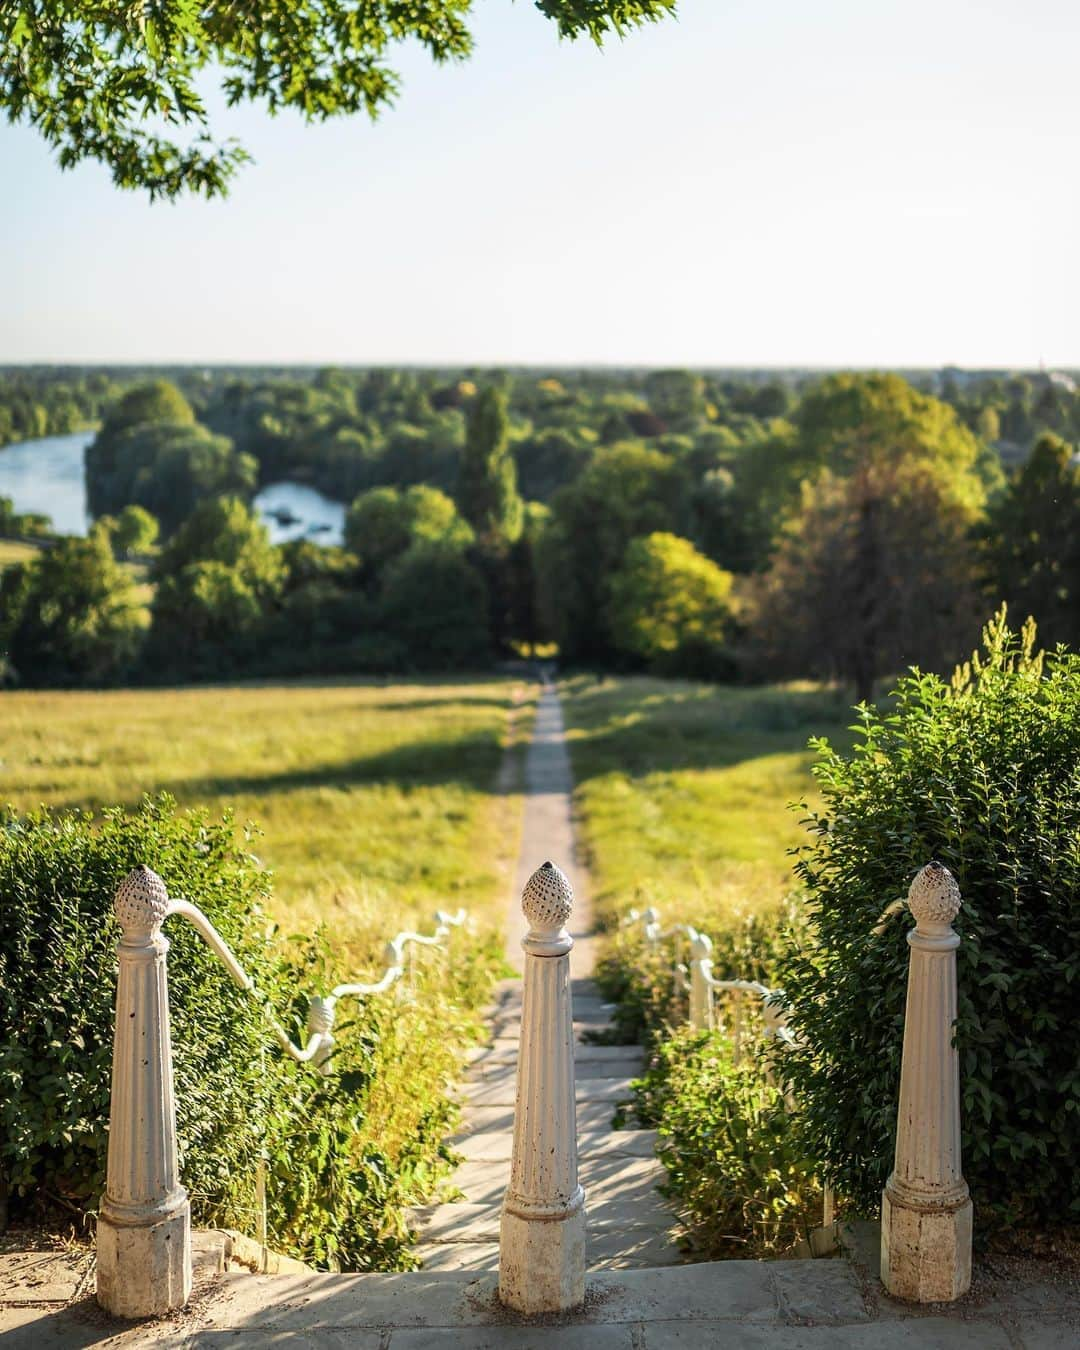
(377, 801)
(682, 789)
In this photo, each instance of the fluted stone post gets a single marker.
(542, 1238)
(926, 1210)
(144, 1223)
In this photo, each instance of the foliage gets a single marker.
(626, 491)
(1034, 541)
(981, 774)
(225, 530)
(861, 424)
(149, 401)
(216, 578)
(21, 524)
(46, 401)
(874, 573)
(729, 1146)
(435, 602)
(136, 531)
(337, 1191)
(167, 468)
(383, 522)
(667, 600)
(71, 615)
(487, 492)
(95, 81)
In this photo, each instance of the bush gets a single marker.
(71, 615)
(670, 606)
(982, 773)
(345, 1154)
(729, 1148)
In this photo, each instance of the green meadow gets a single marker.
(684, 790)
(376, 803)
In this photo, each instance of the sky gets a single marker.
(754, 183)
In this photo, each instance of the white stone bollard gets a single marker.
(702, 1017)
(925, 1209)
(542, 1236)
(144, 1223)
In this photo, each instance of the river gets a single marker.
(47, 476)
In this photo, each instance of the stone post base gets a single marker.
(925, 1253)
(144, 1270)
(542, 1262)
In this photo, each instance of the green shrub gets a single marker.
(982, 773)
(729, 1147)
(345, 1154)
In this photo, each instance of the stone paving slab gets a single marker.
(612, 1249)
(520, 1338)
(591, 1115)
(605, 1179)
(929, 1334)
(503, 1093)
(471, 1221)
(626, 1065)
(497, 1146)
(507, 1052)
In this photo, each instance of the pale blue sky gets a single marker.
(760, 182)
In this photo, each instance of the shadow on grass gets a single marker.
(470, 761)
(639, 726)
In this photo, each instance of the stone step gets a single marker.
(624, 1066)
(605, 1178)
(502, 1092)
(495, 1146)
(592, 1017)
(768, 1305)
(613, 1249)
(466, 1221)
(475, 1117)
(506, 1052)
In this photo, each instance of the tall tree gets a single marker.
(847, 423)
(874, 573)
(1035, 542)
(487, 485)
(626, 491)
(122, 84)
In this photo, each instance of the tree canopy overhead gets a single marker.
(95, 78)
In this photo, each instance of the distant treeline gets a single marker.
(721, 526)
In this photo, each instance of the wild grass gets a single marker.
(683, 790)
(377, 802)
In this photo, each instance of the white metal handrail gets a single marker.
(321, 1008)
(697, 979)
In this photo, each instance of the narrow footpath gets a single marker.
(628, 1223)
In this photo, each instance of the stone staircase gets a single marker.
(629, 1224)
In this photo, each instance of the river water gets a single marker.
(47, 475)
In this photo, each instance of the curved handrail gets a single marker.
(701, 962)
(395, 949)
(321, 1007)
